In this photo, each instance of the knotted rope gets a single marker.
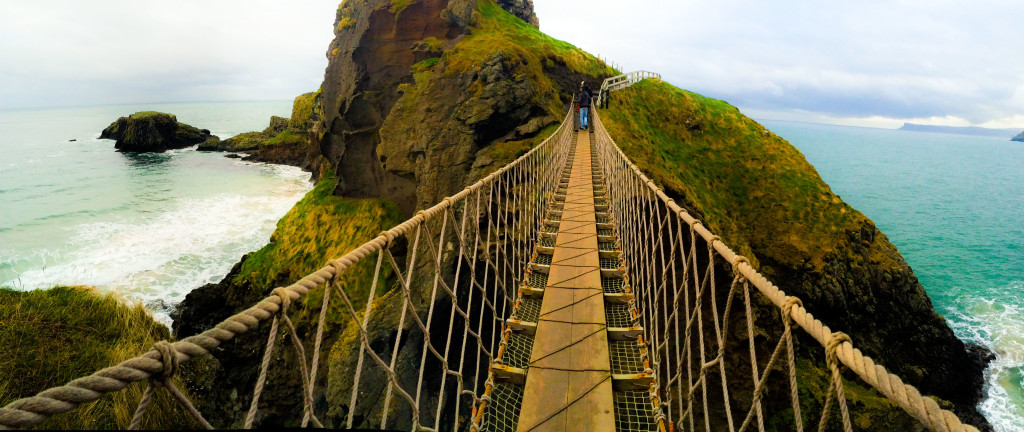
(169, 361)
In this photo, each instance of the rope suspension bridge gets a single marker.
(565, 291)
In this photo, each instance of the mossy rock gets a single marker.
(302, 111)
(57, 335)
(154, 132)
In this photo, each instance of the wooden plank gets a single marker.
(569, 382)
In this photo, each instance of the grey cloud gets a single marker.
(901, 60)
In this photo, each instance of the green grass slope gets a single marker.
(320, 227)
(50, 337)
(752, 188)
(765, 200)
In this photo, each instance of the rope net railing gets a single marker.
(444, 283)
(708, 314)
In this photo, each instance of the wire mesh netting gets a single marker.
(634, 411)
(502, 414)
(528, 310)
(613, 285)
(517, 350)
(627, 357)
(619, 315)
(537, 280)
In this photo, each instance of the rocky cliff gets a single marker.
(422, 97)
(153, 132)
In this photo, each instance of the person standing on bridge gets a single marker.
(583, 101)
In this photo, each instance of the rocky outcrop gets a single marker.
(419, 99)
(284, 141)
(523, 9)
(1019, 137)
(249, 140)
(154, 132)
(403, 122)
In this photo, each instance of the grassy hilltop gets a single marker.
(765, 200)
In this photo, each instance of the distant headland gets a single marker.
(961, 130)
(1019, 137)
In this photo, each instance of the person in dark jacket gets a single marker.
(583, 101)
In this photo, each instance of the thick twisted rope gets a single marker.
(922, 408)
(169, 358)
(30, 411)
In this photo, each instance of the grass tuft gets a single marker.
(51, 337)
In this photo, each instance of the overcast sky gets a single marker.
(870, 63)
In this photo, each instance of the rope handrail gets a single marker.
(526, 169)
(838, 345)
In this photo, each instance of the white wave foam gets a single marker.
(160, 259)
(997, 322)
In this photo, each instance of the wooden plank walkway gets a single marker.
(569, 385)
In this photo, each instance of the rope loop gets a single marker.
(387, 236)
(787, 309)
(739, 259)
(282, 293)
(169, 359)
(713, 239)
(833, 344)
(693, 224)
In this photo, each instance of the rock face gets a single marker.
(422, 98)
(522, 9)
(284, 141)
(154, 132)
(419, 100)
(402, 121)
(1019, 137)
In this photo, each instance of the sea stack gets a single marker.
(153, 132)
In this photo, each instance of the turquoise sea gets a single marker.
(954, 207)
(154, 227)
(150, 226)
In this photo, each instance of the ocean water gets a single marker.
(954, 207)
(150, 226)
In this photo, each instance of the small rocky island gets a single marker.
(1019, 137)
(154, 132)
